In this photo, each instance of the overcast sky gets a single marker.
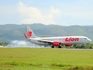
(60, 12)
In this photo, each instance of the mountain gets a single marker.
(10, 32)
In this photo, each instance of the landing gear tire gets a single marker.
(52, 46)
(59, 46)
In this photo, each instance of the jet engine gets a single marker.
(56, 44)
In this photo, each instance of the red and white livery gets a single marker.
(55, 41)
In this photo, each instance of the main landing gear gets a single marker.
(59, 46)
(53, 46)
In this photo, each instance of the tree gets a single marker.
(4, 43)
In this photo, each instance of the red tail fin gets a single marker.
(29, 34)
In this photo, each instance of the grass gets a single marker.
(45, 59)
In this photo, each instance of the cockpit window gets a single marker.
(85, 38)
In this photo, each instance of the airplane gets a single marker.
(55, 41)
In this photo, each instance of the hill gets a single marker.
(15, 32)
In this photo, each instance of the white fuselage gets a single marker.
(62, 40)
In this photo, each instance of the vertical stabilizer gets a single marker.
(30, 33)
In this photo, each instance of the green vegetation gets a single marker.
(4, 43)
(45, 59)
(80, 46)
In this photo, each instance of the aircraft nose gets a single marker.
(90, 40)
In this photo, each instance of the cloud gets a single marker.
(34, 15)
(55, 11)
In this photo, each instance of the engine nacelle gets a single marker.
(68, 45)
(56, 44)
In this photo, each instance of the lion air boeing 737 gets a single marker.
(55, 41)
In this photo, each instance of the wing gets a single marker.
(51, 42)
(46, 41)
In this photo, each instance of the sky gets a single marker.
(57, 12)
